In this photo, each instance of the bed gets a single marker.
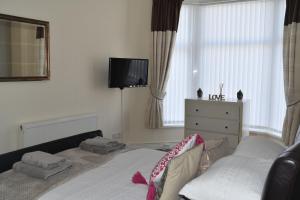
(112, 179)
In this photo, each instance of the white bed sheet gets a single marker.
(111, 181)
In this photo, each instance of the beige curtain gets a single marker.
(292, 71)
(163, 43)
(165, 17)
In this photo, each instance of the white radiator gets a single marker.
(44, 131)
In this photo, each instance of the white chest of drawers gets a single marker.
(213, 119)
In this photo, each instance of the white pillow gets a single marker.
(231, 178)
(259, 147)
(297, 140)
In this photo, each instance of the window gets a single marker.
(237, 43)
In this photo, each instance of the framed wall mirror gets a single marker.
(24, 49)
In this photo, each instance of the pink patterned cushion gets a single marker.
(158, 171)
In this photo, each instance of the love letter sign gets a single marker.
(215, 97)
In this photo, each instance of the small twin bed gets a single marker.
(109, 177)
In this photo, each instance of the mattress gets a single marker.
(111, 181)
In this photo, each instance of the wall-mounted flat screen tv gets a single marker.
(128, 72)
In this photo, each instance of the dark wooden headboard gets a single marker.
(8, 159)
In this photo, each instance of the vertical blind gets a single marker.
(239, 44)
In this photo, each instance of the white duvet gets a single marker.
(111, 181)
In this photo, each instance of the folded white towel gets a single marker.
(38, 172)
(43, 160)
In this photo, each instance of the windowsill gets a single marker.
(171, 126)
(265, 131)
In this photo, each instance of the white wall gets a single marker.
(83, 34)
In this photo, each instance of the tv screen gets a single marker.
(128, 72)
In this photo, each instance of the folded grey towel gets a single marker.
(100, 141)
(102, 149)
(42, 159)
(38, 172)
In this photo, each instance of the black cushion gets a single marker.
(283, 181)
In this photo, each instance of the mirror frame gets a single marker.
(36, 22)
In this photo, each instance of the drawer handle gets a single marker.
(227, 113)
(226, 127)
(197, 123)
(197, 110)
